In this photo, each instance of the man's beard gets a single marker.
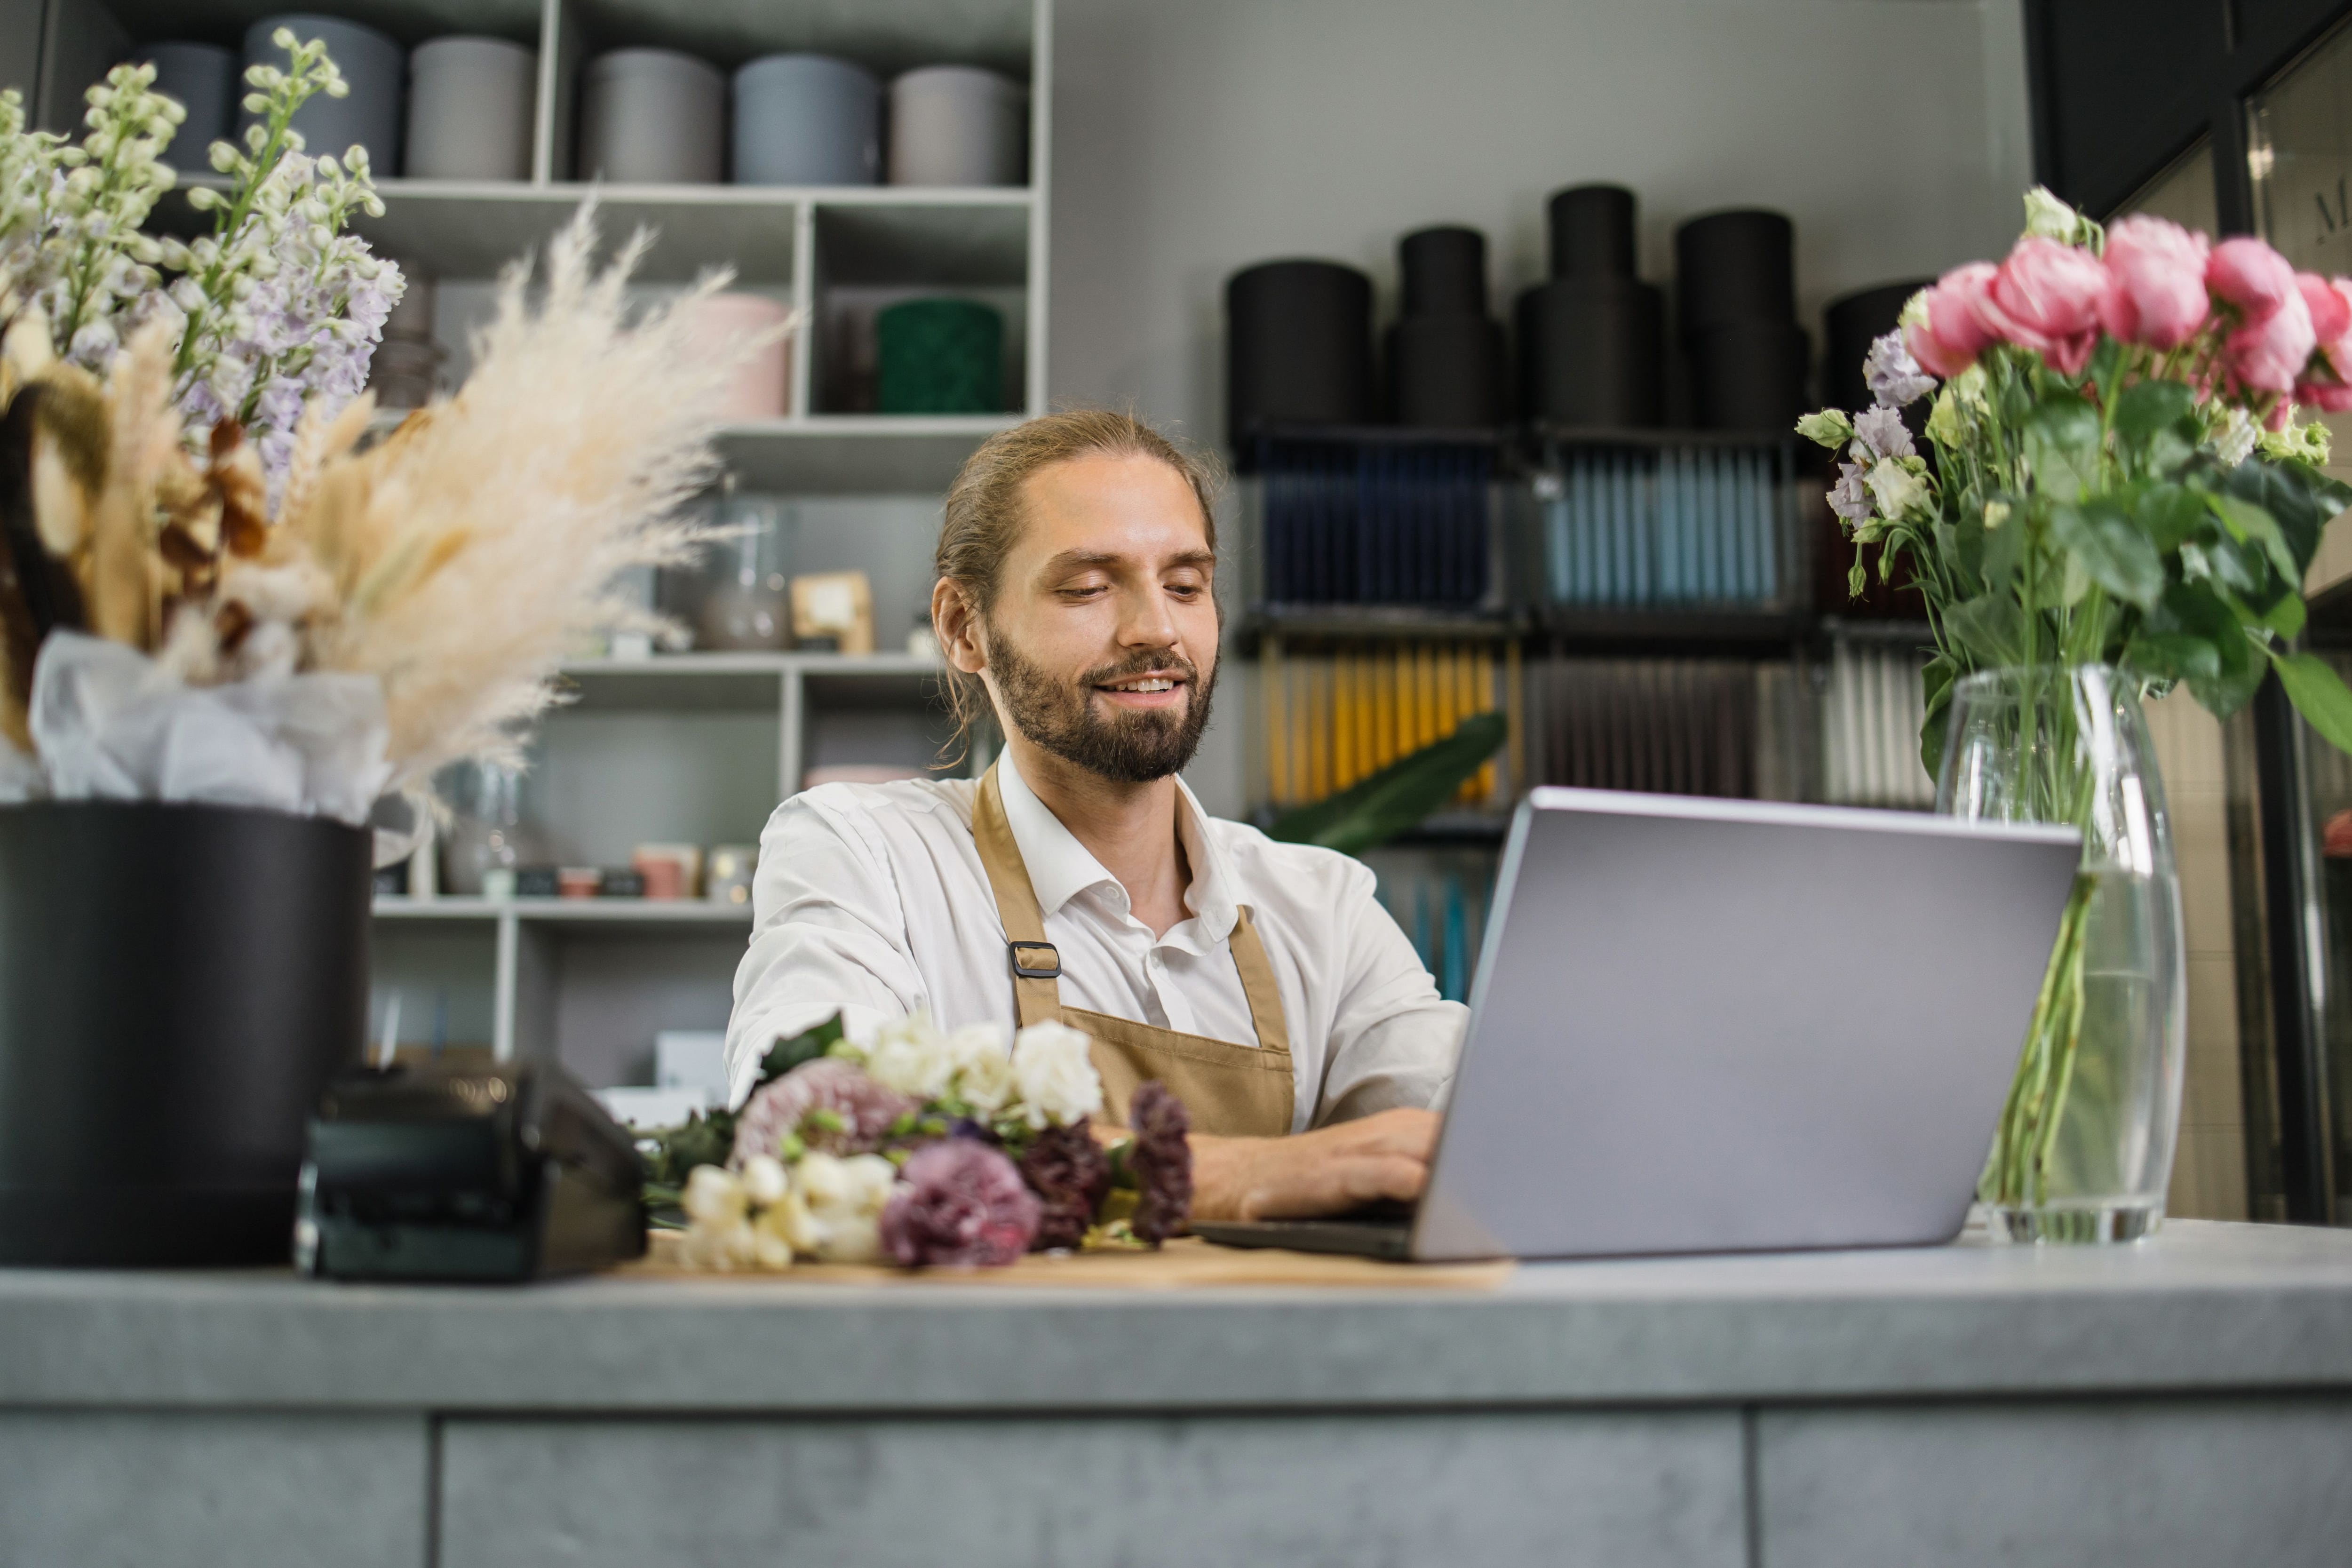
(1129, 747)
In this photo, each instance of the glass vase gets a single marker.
(2083, 1150)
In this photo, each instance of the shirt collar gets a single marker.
(1060, 867)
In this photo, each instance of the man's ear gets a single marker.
(957, 625)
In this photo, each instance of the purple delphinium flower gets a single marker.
(961, 1204)
(1069, 1173)
(1849, 498)
(1883, 431)
(858, 1112)
(1895, 377)
(1162, 1160)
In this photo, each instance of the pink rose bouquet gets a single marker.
(2114, 471)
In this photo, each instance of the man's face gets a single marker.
(1102, 642)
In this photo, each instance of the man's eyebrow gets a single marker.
(1079, 560)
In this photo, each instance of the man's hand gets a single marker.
(1327, 1171)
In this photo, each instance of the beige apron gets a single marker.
(1232, 1090)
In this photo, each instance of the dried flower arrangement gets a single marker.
(197, 542)
(920, 1147)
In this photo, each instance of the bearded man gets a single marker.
(1080, 881)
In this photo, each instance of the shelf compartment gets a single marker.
(869, 255)
(886, 37)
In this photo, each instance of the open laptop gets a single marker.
(1709, 1025)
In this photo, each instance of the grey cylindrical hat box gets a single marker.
(372, 63)
(203, 78)
(807, 119)
(469, 110)
(652, 117)
(956, 125)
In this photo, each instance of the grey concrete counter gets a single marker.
(2187, 1400)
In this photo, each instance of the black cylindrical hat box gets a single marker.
(177, 985)
(1735, 267)
(1591, 350)
(1444, 273)
(1298, 347)
(1851, 325)
(1446, 371)
(1750, 376)
(1591, 232)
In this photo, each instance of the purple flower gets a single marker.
(961, 1204)
(1883, 431)
(1849, 498)
(830, 1104)
(1162, 1160)
(1069, 1173)
(1895, 377)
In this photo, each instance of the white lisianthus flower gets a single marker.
(765, 1181)
(1057, 1081)
(712, 1197)
(2048, 217)
(910, 1056)
(821, 1180)
(869, 1179)
(725, 1248)
(1895, 488)
(852, 1239)
(770, 1250)
(984, 1073)
(789, 1221)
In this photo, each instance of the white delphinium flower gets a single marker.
(983, 1067)
(910, 1056)
(1056, 1076)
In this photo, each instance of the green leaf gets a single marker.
(2298, 497)
(2286, 616)
(1935, 681)
(2174, 655)
(2318, 694)
(2004, 547)
(1990, 626)
(2112, 549)
(2062, 446)
(2194, 610)
(2168, 514)
(2244, 519)
(2149, 406)
(2107, 364)
(805, 1047)
(1395, 799)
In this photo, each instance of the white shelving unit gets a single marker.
(696, 747)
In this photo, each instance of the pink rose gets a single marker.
(2156, 282)
(2329, 397)
(2045, 298)
(1949, 340)
(2269, 352)
(2331, 313)
(2251, 275)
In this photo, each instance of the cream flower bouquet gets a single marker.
(215, 584)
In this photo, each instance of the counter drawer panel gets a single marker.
(132, 1489)
(2123, 1483)
(1625, 1489)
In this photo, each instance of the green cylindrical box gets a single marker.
(939, 356)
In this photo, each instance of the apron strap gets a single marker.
(1257, 982)
(1037, 967)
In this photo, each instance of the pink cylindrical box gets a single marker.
(719, 325)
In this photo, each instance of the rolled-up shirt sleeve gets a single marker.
(1393, 1039)
(828, 935)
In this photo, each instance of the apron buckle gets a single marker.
(1052, 968)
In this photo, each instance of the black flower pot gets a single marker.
(177, 985)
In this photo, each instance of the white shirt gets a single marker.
(870, 901)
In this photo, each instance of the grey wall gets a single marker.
(1193, 137)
